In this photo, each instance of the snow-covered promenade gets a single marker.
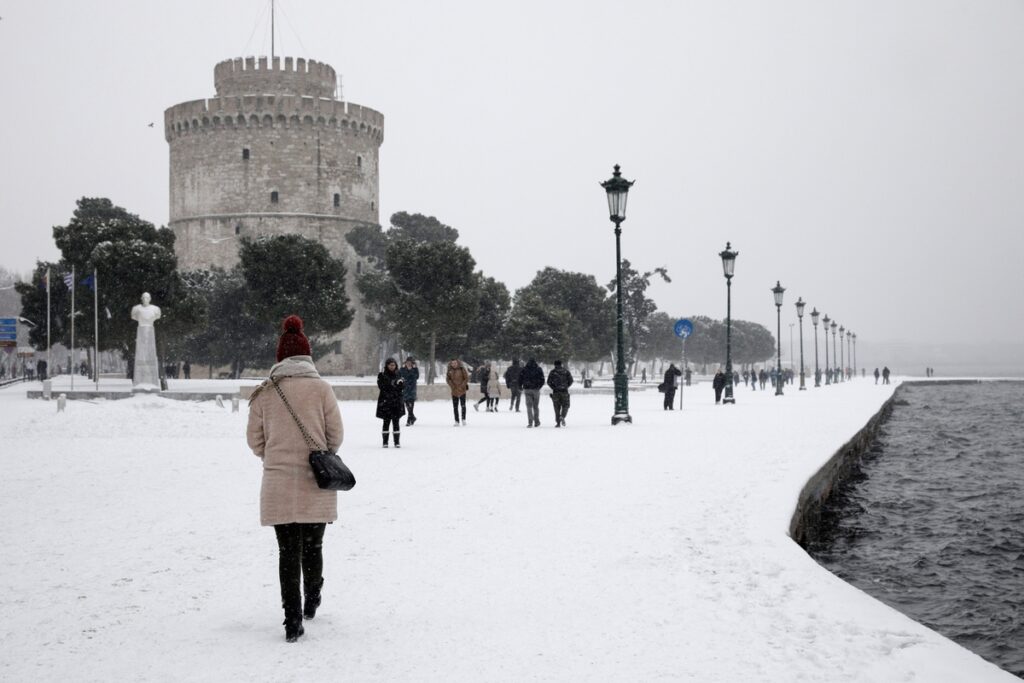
(131, 549)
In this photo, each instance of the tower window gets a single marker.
(359, 162)
(238, 229)
(245, 154)
(337, 199)
(373, 206)
(273, 197)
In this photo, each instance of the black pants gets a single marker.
(670, 398)
(409, 405)
(718, 394)
(486, 397)
(516, 395)
(393, 421)
(300, 554)
(560, 399)
(456, 401)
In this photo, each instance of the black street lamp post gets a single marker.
(855, 353)
(849, 354)
(835, 355)
(828, 376)
(817, 372)
(800, 316)
(617, 189)
(777, 290)
(842, 360)
(728, 267)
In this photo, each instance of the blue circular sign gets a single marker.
(683, 328)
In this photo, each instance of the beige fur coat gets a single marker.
(289, 492)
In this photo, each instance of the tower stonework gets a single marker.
(276, 153)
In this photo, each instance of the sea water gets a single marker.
(934, 524)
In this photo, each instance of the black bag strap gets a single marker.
(302, 428)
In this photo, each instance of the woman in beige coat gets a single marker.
(290, 499)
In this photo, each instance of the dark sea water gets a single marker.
(934, 526)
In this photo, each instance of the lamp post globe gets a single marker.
(728, 257)
(817, 372)
(778, 291)
(800, 317)
(617, 189)
(835, 354)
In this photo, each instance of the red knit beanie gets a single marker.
(292, 342)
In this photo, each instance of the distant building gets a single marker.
(275, 152)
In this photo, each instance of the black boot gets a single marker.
(293, 620)
(312, 599)
(398, 436)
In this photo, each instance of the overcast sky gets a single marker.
(869, 155)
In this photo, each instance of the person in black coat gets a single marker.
(718, 384)
(410, 375)
(560, 379)
(531, 379)
(390, 406)
(670, 385)
(512, 382)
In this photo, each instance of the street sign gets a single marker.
(683, 328)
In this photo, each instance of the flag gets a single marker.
(89, 282)
(69, 281)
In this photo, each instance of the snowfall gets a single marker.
(132, 550)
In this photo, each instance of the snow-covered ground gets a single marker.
(131, 549)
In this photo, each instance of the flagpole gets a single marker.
(96, 327)
(49, 366)
(73, 368)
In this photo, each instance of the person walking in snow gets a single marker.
(718, 384)
(512, 374)
(670, 386)
(290, 500)
(457, 378)
(532, 381)
(484, 377)
(410, 375)
(560, 379)
(885, 375)
(493, 388)
(643, 376)
(876, 375)
(390, 406)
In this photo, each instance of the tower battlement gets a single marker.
(252, 76)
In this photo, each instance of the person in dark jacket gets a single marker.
(532, 381)
(718, 384)
(410, 374)
(560, 379)
(885, 375)
(389, 403)
(483, 375)
(670, 385)
(512, 382)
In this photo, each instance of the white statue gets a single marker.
(147, 368)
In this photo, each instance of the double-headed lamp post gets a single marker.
(617, 189)
(835, 355)
(778, 290)
(800, 316)
(728, 267)
(817, 372)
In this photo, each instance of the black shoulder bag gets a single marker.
(330, 472)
